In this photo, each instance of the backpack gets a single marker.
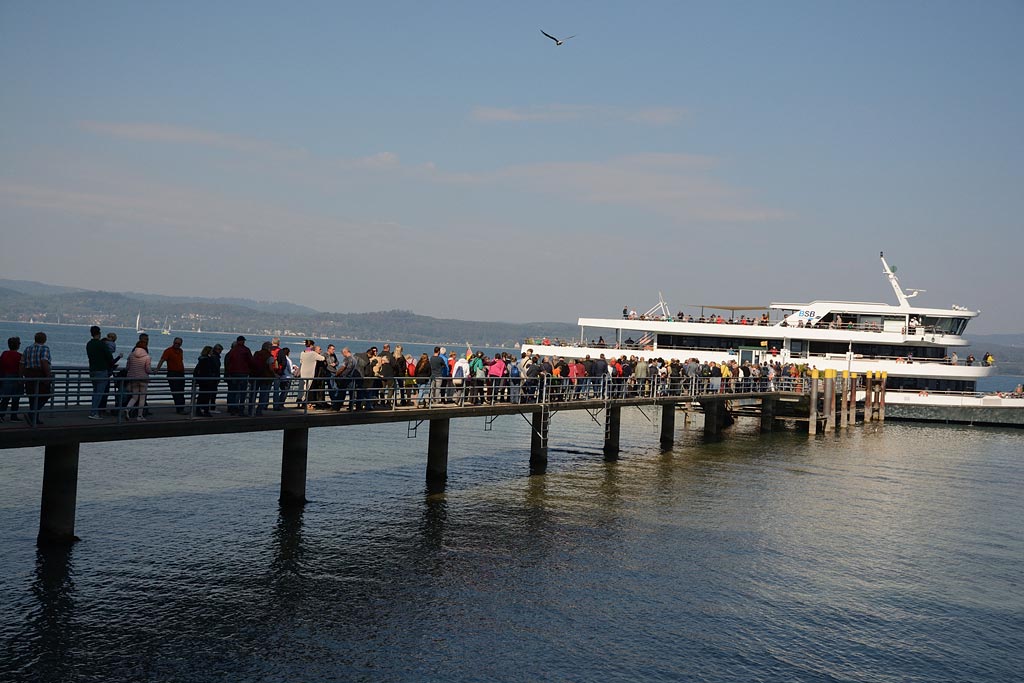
(513, 370)
(458, 371)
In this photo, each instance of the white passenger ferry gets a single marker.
(922, 349)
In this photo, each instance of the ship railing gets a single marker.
(74, 390)
(917, 331)
(800, 355)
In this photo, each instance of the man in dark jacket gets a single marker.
(237, 366)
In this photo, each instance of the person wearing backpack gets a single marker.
(515, 381)
(478, 374)
(460, 376)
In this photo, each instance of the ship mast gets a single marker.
(901, 296)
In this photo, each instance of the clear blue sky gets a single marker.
(449, 159)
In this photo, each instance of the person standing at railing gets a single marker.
(101, 365)
(460, 378)
(388, 394)
(217, 351)
(175, 360)
(11, 384)
(140, 366)
(286, 370)
(577, 376)
(398, 373)
(275, 350)
(206, 376)
(531, 380)
(237, 367)
(110, 341)
(263, 377)
(36, 367)
(641, 373)
(307, 371)
(331, 368)
(422, 374)
(438, 363)
(347, 379)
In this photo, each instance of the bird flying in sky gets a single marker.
(557, 41)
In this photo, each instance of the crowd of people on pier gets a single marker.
(319, 378)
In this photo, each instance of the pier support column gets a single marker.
(881, 397)
(60, 493)
(844, 399)
(869, 396)
(668, 426)
(767, 414)
(829, 402)
(714, 417)
(293, 466)
(812, 411)
(437, 451)
(852, 419)
(539, 443)
(611, 433)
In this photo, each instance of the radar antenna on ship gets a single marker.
(901, 296)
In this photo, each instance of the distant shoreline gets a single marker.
(451, 345)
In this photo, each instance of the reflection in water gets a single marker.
(882, 556)
(288, 550)
(435, 514)
(52, 625)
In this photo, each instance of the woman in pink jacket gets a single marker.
(139, 367)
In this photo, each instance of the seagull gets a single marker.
(557, 41)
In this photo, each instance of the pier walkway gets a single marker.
(65, 424)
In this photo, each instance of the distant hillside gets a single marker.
(45, 303)
(1016, 340)
(35, 288)
(39, 288)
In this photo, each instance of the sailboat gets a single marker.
(165, 330)
(138, 323)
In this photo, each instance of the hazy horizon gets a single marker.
(452, 161)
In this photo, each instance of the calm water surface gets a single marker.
(891, 554)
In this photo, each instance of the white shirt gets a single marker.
(307, 363)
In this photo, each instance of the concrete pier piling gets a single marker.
(767, 414)
(60, 494)
(539, 442)
(668, 427)
(613, 423)
(437, 451)
(293, 466)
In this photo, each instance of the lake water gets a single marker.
(886, 554)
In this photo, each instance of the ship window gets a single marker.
(944, 325)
